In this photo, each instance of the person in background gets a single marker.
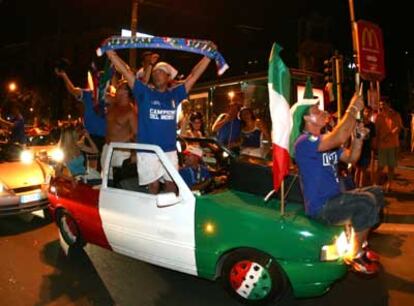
(195, 126)
(184, 116)
(94, 119)
(367, 154)
(253, 132)
(317, 156)
(228, 126)
(15, 126)
(194, 173)
(74, 146)
(388, 126)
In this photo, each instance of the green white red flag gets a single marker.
(279, 95)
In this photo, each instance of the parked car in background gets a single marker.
(24, 181)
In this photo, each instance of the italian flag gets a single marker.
(279, 95)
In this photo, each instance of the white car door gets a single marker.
(154, 228)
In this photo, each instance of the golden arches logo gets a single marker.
(371, 36)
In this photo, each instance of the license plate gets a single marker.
(30, 197)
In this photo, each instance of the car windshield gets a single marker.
(10, 152)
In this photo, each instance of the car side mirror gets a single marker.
(167, 199)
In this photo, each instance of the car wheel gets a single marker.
(69, 230)
(254, 278)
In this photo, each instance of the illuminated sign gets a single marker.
(370, 51)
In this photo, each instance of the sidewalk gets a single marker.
(401, 196)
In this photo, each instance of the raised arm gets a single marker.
(91, 148)
(121, 67)
(75, 91)
(196, 73)
(345, 127)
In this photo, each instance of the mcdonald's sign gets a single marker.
(370, 51)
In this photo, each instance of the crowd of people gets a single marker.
(143, 108)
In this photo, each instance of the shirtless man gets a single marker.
(121, 123)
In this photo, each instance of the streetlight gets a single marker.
(231, 95)
(12, 87)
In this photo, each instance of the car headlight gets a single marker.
(339, 249)
(57, 155)
(26, 157)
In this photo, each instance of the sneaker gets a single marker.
(362, 265)
(371, 255)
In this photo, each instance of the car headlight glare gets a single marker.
(26, 157)
(57, 155)
(339, 249)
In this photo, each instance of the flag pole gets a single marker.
(354, 42)
(282, 198)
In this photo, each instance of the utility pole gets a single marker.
(134, 27)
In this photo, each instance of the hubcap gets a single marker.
(250, 280)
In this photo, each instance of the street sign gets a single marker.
(370, 48)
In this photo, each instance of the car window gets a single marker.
(125, 174)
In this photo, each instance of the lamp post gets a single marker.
(134, 26)
(12, 87)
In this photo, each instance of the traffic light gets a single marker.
(329, 70)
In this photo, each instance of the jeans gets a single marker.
(359, 207)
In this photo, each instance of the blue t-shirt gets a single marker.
(229, 132)
(157, 116)
(193, 176)
(76, 165)
(251, 138)
(17, 131)
(95, 123)
(318, 173)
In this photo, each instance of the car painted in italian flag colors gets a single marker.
(258, 254)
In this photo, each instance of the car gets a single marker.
(24, 181)
(258, 253)
(45, 147)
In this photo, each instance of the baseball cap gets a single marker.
(167, 68)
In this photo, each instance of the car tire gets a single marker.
(255, 278)
(69, 230)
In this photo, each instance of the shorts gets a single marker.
(387, 157)
(358, 207)
(150, 168)
(118, 157)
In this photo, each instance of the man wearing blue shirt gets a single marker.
(157, 116)
(317, 156)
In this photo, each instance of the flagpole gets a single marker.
(282, 198)
(354, 42)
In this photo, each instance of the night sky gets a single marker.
(243, 30)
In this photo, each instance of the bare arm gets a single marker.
(121, 67)
(352, 154)
(75, 91)
(345, 127)
(220, 121)
(91, 148)
(196, 73)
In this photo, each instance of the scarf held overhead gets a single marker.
(203, 47)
